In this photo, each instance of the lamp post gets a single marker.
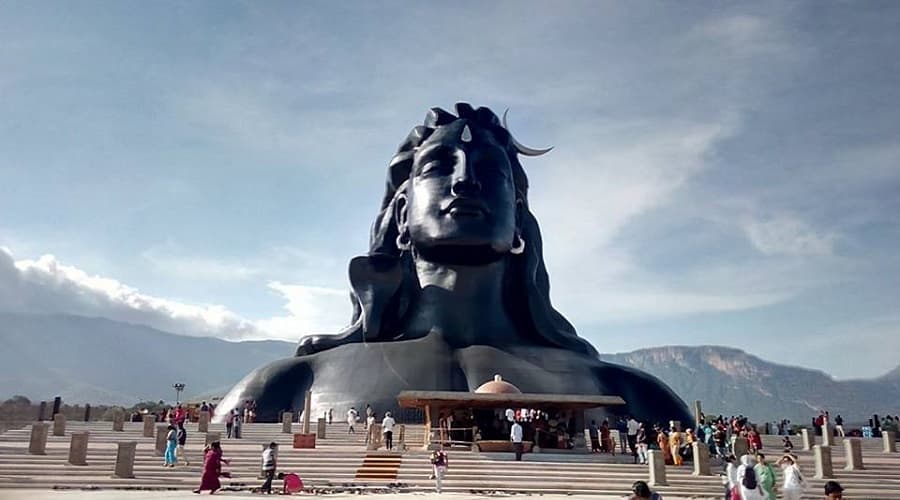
(178, 386)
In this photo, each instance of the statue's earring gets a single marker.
(403, 241)
(518, 247)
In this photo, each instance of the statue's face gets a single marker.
(461, 192)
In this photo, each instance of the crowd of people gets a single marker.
(747, 477)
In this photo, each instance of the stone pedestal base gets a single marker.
(203, 422)
(827, 435)
(374, 437)
(701, 460)
(125, 460)
(160, 446)
(822, 456)
(320, 428)
(890, 441)
(853, 454)
(807, 438)
(657, 466)
(78, 448)
(37, 445)
(304, 441)
(59, 425)
(212, 437)
(740, 447)
(287, 422)
(118, 421)
(149, 422)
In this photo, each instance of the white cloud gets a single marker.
(48, 286)
(788, 235)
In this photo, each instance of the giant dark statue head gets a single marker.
(456, 194)
(452, 290)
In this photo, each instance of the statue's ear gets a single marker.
(520, 214)
(400, 213)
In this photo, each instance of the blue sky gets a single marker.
(723, 173)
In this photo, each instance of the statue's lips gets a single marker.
(466, 207)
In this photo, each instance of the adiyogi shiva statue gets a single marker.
(452, 291)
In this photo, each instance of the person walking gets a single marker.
(765, 475)
(793, 485)
(181, 435)
(594, 433)
(268, 467)
(387, 429)
(643, 445)
(171, 443)
(747, 481)
(238, 424)
(632, 426)
(839, 425)
(229, 424)
(352, 417)
(330, 416)
(515, 435)
(370, 419)
(730, 479)
(439, 466)
(212, 469)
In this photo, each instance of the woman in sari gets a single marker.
(212, 469)
(675, 446)
(605, 440)
(663, 441)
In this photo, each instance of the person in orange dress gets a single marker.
(663, 441)
(675, 446)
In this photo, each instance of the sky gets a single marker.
(722, 173)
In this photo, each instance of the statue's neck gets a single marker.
(462, 303)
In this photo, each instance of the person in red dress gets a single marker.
(212, 469)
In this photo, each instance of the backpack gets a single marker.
(749, 480)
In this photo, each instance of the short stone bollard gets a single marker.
(822, 456)
(657, 464)
(374, 437)
(740, 447)
(320, 428)
(827, 435)
(212, 437)
(149, 422)
(701, 460)
(78, 448)
(890, 441)
(807, 438)
(125, 460)
(203, 422)
(59, 425)
(37, 445)
(161, 432)
(118, 421)
(287, 422)
(853, 454)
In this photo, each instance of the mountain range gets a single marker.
(96, 360)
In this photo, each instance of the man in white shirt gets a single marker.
(515, 435)
(268, 467)
(633, 426)
(387, 428)
(352, 416)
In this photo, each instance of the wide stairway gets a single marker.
(341, 463)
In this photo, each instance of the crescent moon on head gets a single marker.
(524, 150)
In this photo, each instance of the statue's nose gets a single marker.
(464, 180)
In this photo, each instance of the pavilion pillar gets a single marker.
(579, 441)
(427, 440)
